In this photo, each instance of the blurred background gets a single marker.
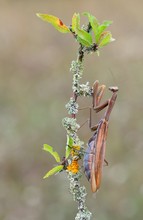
(35, 85)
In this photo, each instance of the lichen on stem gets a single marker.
(79, 195)
(78, 192)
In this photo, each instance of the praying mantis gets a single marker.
(94, 156)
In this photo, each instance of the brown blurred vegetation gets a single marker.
(35, 85)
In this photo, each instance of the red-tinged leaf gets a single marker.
(100, 30)
(105, 38)
(56, 22)
(53, 171)
(103, 26)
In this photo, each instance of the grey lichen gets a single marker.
(72, 106)
(83, 215)
(72, 127)
(79, 195)
(79, 89)
(77, 70)
(85, 90)
(70, 124)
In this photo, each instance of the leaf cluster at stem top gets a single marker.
(92, 39)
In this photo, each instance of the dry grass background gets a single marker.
(35, 84)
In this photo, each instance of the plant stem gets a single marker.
(78, 192)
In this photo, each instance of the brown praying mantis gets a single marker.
(94, 156)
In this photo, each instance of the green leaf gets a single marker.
(104, 25)
(69, 146)
(53, 171)
(49, 149)
(107, 23)
(93, 22)
(70, 141)
(105, 39)
(97, 29)
(100, 30)
(56, 22)
(83, 37)
(75, 22)
(68, 150)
